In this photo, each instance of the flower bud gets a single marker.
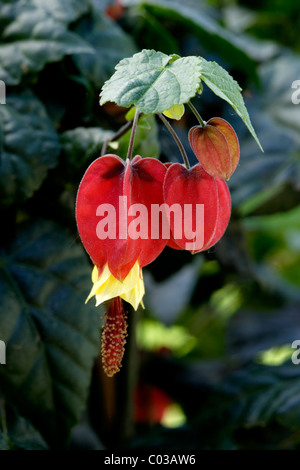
(216, 146)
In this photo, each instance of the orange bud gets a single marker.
(216, 146)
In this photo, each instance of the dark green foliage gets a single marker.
(217, 330)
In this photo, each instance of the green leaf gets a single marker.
(151, 32)
(274, 114)
(66, 12)
(20, 433)
(33, 39)
(151, 82)
(224, 86)
(202, 20)
(239, 19)
(51, 336)
(254, 400)
(279, 328)
(277, 224)
(267, 393)
(30, 147)
(109, 42)
(4, 444)
(277, 78)
(82, 143)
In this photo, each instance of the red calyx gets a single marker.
(202, 202)
(110, 183)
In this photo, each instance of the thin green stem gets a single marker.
(116, 136)
(176, 138)
(133, 130)
(195, 112)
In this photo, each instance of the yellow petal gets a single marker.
(95, 274)
(176, 112)
(106, 286)
(97, 282)
(135, 295)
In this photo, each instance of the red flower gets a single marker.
(126, 213)
(115, 10)
(203, 203)
(111, 194)
(216, 146)
(150, 403)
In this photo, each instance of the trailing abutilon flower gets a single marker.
(113, 212)
(202, 204)
(216, 146)
(127, 211)
(113, 204)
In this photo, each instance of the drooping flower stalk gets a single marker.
(177, 140)
(132, 135)
(196, 113)
(116, 136)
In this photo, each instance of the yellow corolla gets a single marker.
(106, 286)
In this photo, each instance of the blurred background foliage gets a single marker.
(210, 365)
